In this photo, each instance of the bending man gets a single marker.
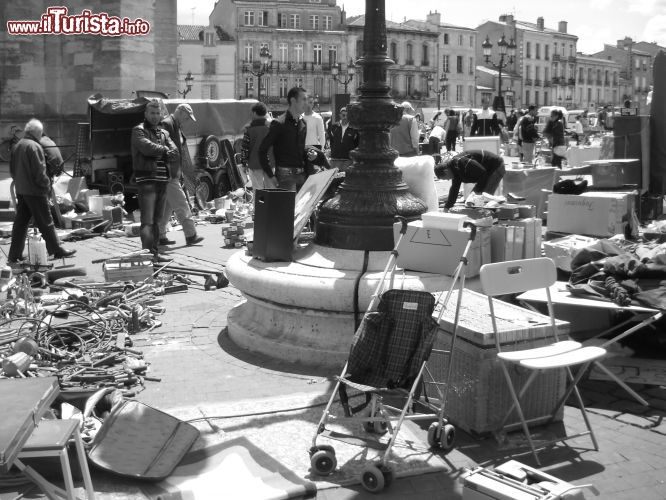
(481, 167)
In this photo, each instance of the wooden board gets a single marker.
(633, 370)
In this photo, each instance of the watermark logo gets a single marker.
(56, 21)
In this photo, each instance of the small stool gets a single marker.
(49, 439)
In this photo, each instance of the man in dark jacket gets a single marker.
(152, 149)
(342, 138)
(484, 168)
(175, 198)
(27, 166)
(254, 134)
(286, 135)
(485, 122)
(528, 134)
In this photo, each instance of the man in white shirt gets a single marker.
(316, 135)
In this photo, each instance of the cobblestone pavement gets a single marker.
(200, 367)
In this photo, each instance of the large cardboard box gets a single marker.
(593, 213)
(526, 240)
(478, 395)
(615, 173)
(439, 250)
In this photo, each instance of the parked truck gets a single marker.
(104, 143)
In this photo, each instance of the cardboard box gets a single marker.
(531, 246)
(602, 214)
(562, 250)
(615, 173)
(507, 242)
(86, 221)
(439, 250)
(113, 214)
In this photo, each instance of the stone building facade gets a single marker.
(304, 37)
(455, 54)
(598, 82)
(51, 76)
(412, 49)
(208, 54)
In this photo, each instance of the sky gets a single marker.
(595, 22)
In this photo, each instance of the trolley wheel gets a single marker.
(434, 432)
(375, 427)
(372, 478)
(323, 462)
(448, 438)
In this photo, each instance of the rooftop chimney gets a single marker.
(562, 26)
(540, 23)
(502, 18)
(509, 19)
(434, 18)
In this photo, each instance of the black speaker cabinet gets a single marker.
(273, 224)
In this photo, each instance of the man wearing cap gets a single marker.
(405, 135)
(152, 150)
(176, 200)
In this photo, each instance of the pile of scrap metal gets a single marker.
(80, 333)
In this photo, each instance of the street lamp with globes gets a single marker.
(506, 50)
(443, 86)
(261, 68)
(346, 80)
(188, 84)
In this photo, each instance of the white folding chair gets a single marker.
(519, 276)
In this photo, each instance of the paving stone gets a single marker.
(639, 421)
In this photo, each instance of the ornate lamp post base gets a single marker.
(361, 215)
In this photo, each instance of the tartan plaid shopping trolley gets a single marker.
(387, 360)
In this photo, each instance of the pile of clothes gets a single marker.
(621, 271)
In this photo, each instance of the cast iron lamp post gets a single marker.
(261, 68)
(188, 84)
(346, 79)
(443, 86)
(505, 49)
(361, 214)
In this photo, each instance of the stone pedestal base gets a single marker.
(303, 311)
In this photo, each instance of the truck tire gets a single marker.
(211, 149)
(204, 189)
(222, 184)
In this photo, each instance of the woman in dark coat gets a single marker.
(554, 131)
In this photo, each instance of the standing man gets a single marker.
(254, 134)
(605, 118)
(343, 139)
(405, 135)
(175, 198)
(316, 135)
(27, 167)
(528, 134)
(286, 135)
(152, 149)
(485, 123)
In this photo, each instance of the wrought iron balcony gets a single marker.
(556, 57)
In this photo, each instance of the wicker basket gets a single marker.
(478, 396)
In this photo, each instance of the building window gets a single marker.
(295, 21)
(314, 22)
(470, 94)
(546, 73)
(459, 93)
(572, 71)
(394, 84)
(537, 51)
(298, 82)
(283, 48)
(546, 50)
(636, 82)
(528, 50)
(298, 52)
(589, 96)
(328, 23)
(394, 52)
(528, 72)
(527, 98)
(209, 39)
(247, 52)
(638, 63)
(265, 83)
(282, 20)
(537, 73)
(410, 54)
(446, 38)
(283, 87)
(644, 64)
(316, 54)
(581, 75)
(318, 86)
(409, 79)
(471, 41)
(459, 64)
(545, 99)
(249, 18)
(262, 19)
(445, 63)
(555, 49)
(460, 40)
(249, 85)
(615, 78)
(536, 98)
(425, 60)
(359, 49)
(572, 53)
(209, 66)
(589, 76)
(471, 65)
(210, 91)
(332, 54)
(445, 94)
